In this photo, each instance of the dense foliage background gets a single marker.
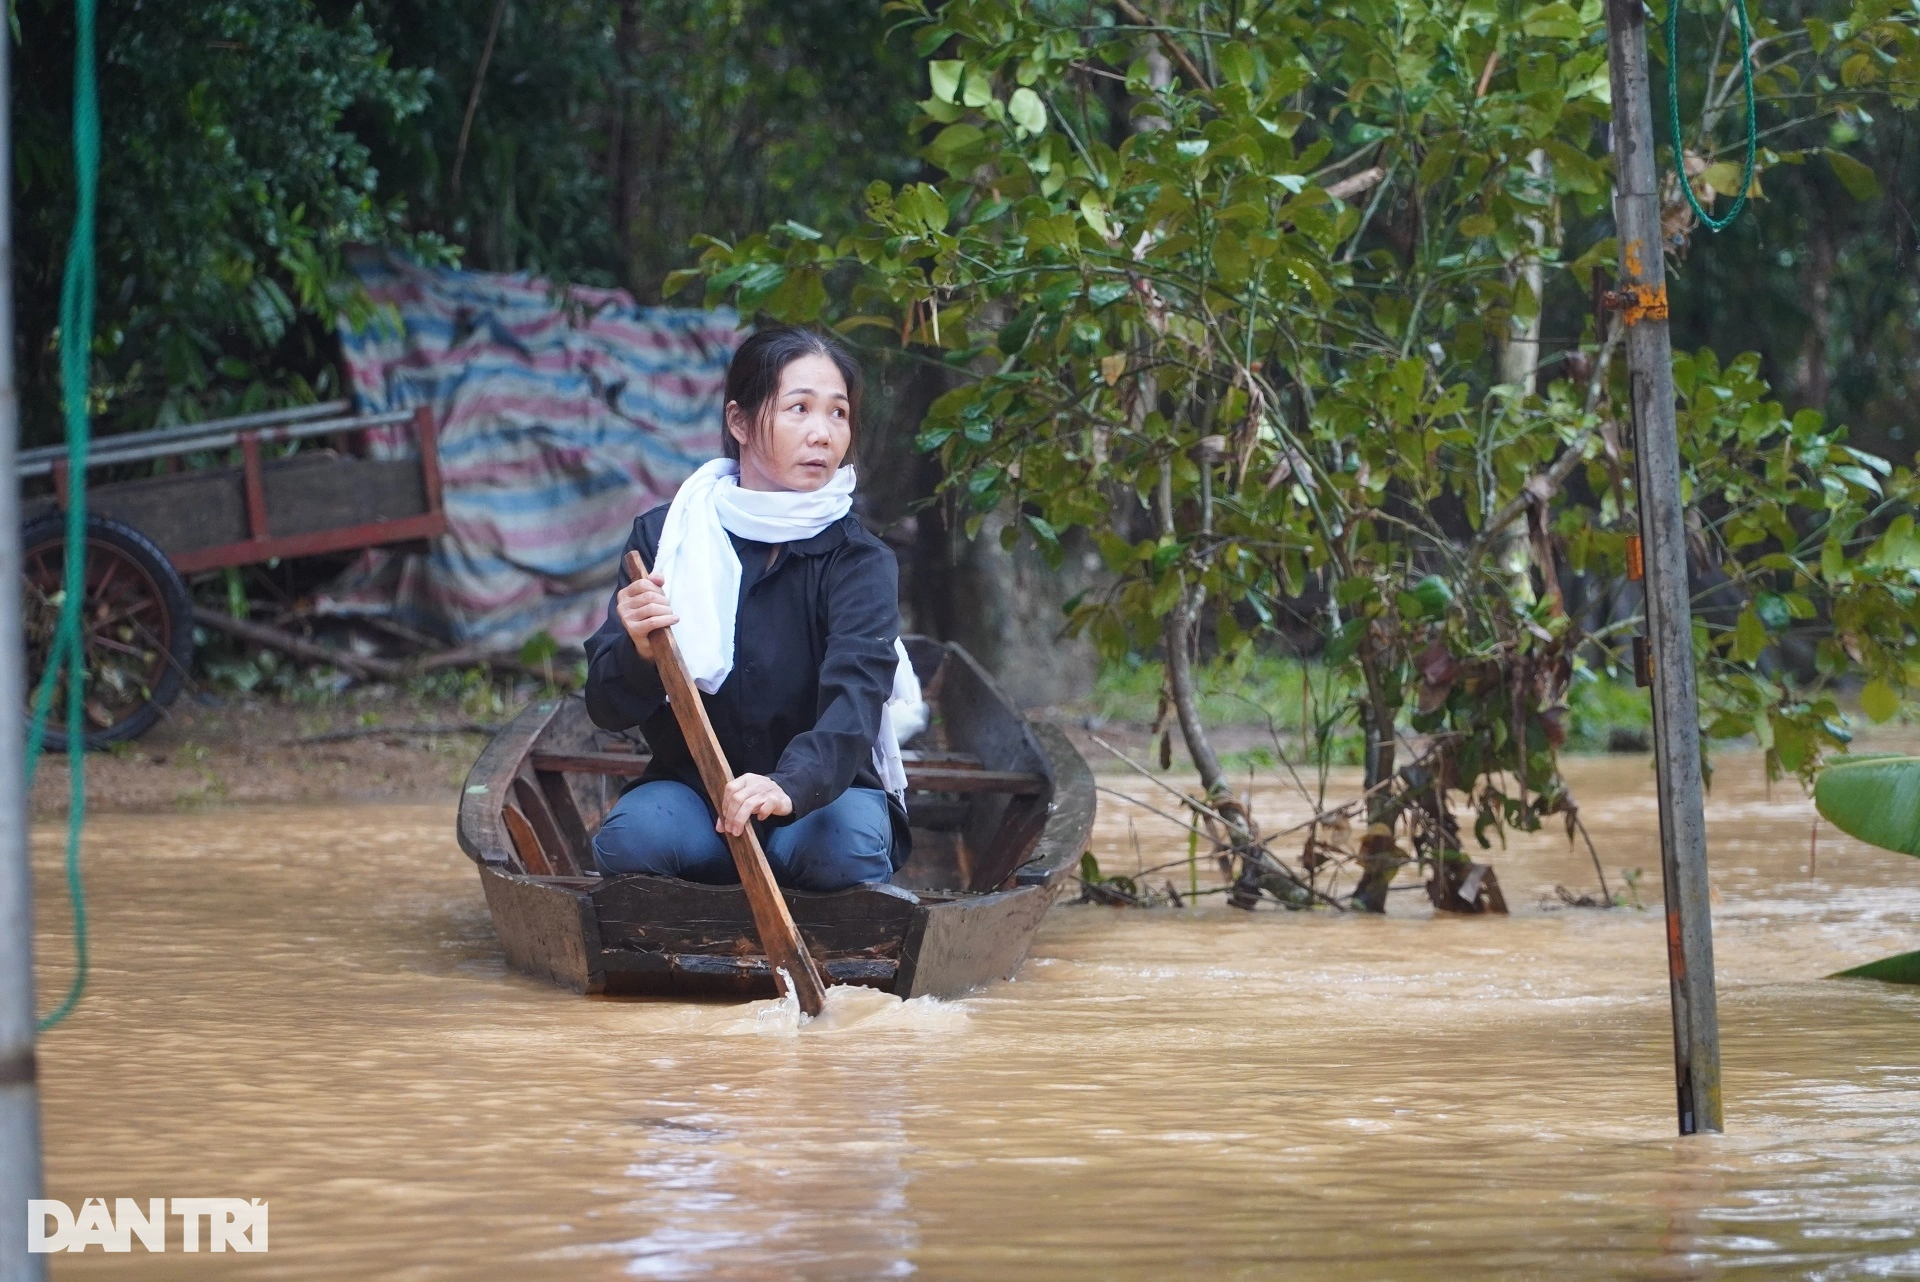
(247, 140)
(1264, 323)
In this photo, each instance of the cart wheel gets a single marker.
(138, 623)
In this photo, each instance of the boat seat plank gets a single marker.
(552, 839)
(619, 764)
(525, 843)
(921, 777)
(842, 970)
(943, 779)
(1019, 828)
(566, 814)
(949, 760)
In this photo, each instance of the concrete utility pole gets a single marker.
(1642, 306)
(19, 1096)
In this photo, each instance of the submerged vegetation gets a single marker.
(1273, 694)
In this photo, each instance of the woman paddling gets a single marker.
(786, 610)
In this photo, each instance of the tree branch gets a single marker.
(473, 98)
(1172, 46)
(1540, 487)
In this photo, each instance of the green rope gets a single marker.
(76, 344)
(1673, 115)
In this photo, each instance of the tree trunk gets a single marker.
(623, 140)
(1520, 354)
(1380, 858)
(1177, 640)
(1007, 609)
(1815, 381)
(1004, 607)
(1520, 367)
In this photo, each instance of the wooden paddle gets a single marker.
(778, 939)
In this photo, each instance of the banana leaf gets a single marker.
(1875, 798)
(1903, 969)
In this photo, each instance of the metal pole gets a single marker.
(19, 1094)
(1642, 303)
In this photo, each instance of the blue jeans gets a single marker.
(666, 829)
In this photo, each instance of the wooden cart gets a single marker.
(147, 533)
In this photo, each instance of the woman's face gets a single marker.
(806, 433)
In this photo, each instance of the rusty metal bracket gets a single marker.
(19, 1069)
(1637, 303)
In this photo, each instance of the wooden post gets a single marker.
(427, 442)
(20, 1175)
(785, 950)
(1642, 303)
(256, 488)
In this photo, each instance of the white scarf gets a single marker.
(703, 583)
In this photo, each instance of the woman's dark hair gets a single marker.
(753, 378)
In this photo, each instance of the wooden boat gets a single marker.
(1000, 809)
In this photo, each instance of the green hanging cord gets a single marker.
(1673, 115)
(76, 345)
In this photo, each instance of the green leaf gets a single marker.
(1833, 562)
(539, 648)
(800, 297)
(1434, 595)
(925, 203)
(1901, 969)
(951, 143)
(945, 76)
(1013, 335)
(1857, 178)
(1858, 70)
(1873, 798)
(944, 112)
(679, 280)
(1722, 176)
(1342, 644)
(758, 281)
(1236, 61)
(1028, 111)
(1357, 588)
(1094, 210)
(932, 438)
(1879, 700)
(1555, 20)
(1749, 636)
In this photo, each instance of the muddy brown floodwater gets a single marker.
(306, 1005)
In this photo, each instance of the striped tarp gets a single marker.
(562, 413)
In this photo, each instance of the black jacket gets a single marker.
(813, 663)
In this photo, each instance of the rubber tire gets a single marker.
(137, 547)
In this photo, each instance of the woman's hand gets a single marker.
(643, 610)
(751, 797)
